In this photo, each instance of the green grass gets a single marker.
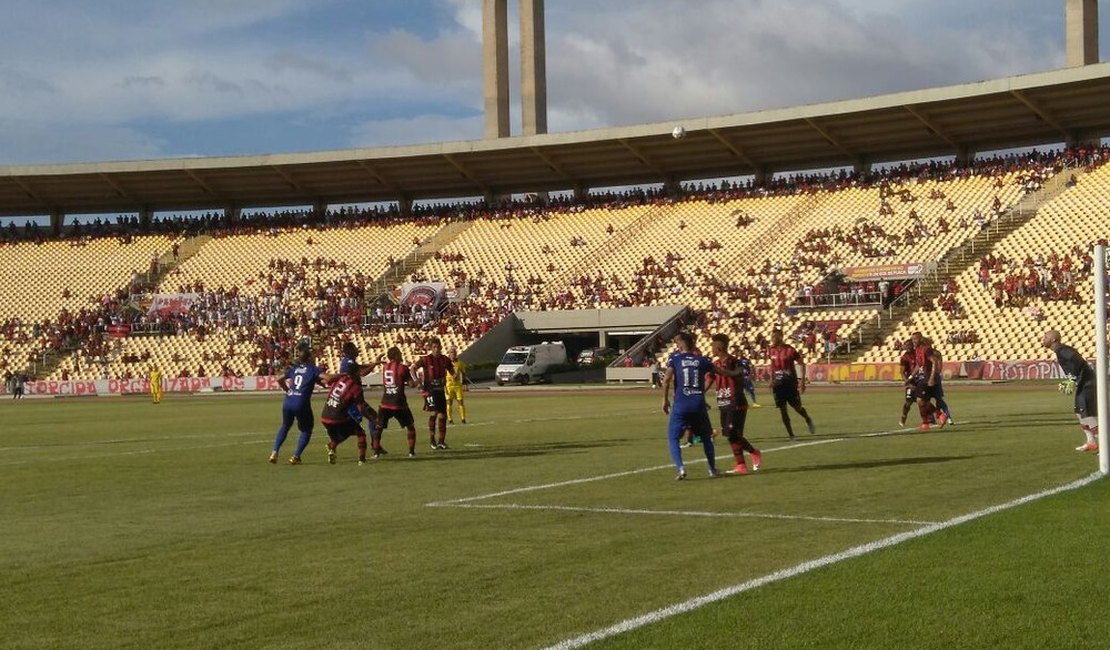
(132, 525)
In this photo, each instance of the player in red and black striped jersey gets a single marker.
(433, 369)
(927, 368)
(911, 382)
(785, 384)
(728, 377)
(344, 392)
(395, 405)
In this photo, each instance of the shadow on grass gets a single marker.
(460, 452)
(871, 464)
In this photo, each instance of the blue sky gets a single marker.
(128, 79)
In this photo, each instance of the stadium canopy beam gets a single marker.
(830, 139)
(554, 166)
(467, 173)
(202, 183)
(647, 162)
(933, 128)
(1041, 113)
(380, 178)
(289, 179)
(28, 191)
(117, 187)
(736, 151)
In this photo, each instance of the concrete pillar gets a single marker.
(232, 213)
(319, 207)
(603, 339)
(57, 219)
(146, 216)
(533, 67)
(861, 165)
(1081, 19)
(581, 193)
(761, 176)
(495, 66)
(964, 156)
(404, 205)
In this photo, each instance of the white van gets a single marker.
(528, 363)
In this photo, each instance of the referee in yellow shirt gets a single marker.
(454, 385)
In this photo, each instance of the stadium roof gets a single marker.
(1062, 105)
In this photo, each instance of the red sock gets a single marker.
(361, 446)
(926, 411)
(442, 426)
(738, 452)
(412, 440)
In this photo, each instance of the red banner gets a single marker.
(142, 385)
(119, 331)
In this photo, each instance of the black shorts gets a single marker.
(933, 392)
(403, 416)
(732, 422)
(436, 402)
(1086, 402)
(787, 393)
(342, 430)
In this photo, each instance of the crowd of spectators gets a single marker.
(317, 298)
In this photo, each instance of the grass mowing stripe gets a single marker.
(680, 513)
(136, 452)
(856, 551)
(603, 477)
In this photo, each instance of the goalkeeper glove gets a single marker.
(1067, 387)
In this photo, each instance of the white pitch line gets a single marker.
(681, 513)
(856, 551)
(603, 477)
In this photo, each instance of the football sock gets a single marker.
(361, 437)
(376, 441)
(676, 451)
(710, 453)
(302, 443)
(737, 452)
(411, 435)
(279, 439)
(906, 409)
(462, 411)
(925, 409)
(786, 422)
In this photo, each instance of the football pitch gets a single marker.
(553, 521)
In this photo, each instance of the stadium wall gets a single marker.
(822, 372)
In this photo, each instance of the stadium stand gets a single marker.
(745, 258)
(1036, 276)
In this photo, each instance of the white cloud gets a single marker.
(200, 63)
(24, 142)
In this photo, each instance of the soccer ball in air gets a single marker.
(679, 132)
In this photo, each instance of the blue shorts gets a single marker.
(696, 421)
(304, 418)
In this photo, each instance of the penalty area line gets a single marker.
(805, 567)
(603, 477)
(681, 513)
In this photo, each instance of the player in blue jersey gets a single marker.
(298, 382)
(687, 370)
